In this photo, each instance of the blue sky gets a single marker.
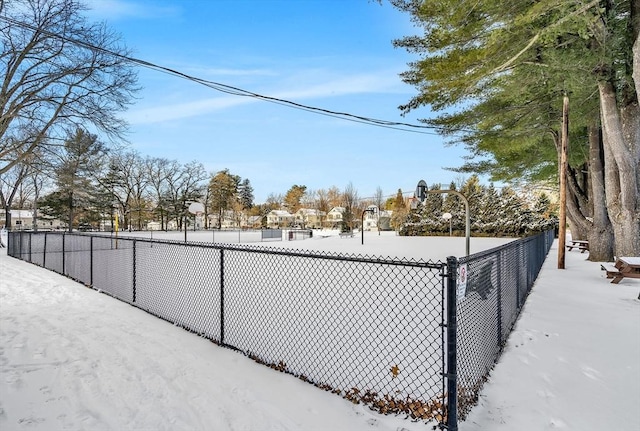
(332, 54)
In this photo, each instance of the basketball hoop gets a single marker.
(196, 208)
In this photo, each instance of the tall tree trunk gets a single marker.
(70, 212)
(578, 207)
(601, 233)
(635, 16)
(7, 218)
(620, 129)
(36, 196)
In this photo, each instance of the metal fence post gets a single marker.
(222, 296)
(91, 261)
(518, 275)
(134, 270)
(30, 246)
(63, 241)
(44, 251)
(452, 329)
(499, 299)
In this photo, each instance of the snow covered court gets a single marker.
(74, 359)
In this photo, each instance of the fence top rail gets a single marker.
(419, 263)
(494, 250)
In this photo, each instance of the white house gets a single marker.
(370, 218)
(279, 218)
(23, 219)
(334, 217)
(252, 222)
(230, 220)
(309, 218)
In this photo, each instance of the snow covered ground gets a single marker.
(72, 358)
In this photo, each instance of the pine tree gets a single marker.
(245, 194)
(497, 72)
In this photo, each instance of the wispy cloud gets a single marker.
(353, 84)
(177, 111)
(208, 73)
(121, 9)
(384, 82)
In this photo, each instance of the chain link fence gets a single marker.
(368, 329)
(402, 336)
(498, 283)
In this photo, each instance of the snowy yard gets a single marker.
(71, 358)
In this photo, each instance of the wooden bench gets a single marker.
(346, 234)
(625, 267)
(579, 244)
(612, 272)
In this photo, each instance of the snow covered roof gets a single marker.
(280, 213)
(310, 211)
(17, 214)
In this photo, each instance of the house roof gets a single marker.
(310, 211)
(280, 213)
(337, 209)
(17, 213)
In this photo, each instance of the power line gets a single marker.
(235, 91)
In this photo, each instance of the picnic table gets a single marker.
(623, 267)
(579, 244)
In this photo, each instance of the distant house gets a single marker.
(279, 218)
(252, 222)
(230, 220)
(370, 218)
(309, 218)
(154, 225)
(334, 217)
(23, 219)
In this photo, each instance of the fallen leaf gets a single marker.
(395, 371)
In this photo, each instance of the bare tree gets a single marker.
(158, 172)
(275, 201)
(183, 186)
(350, 202)
(133, 180)
(334, 197)
(322, 204)
(58, 72)
(10, 182)
(378, 198)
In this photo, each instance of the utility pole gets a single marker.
(564, 145)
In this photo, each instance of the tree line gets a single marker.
(86, 183)
(89, 185)
(493, 213)
(495, 71)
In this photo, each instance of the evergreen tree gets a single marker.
(80, 157)
(493, 214)
(245, 194)
(498, 71)
(487, 219)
